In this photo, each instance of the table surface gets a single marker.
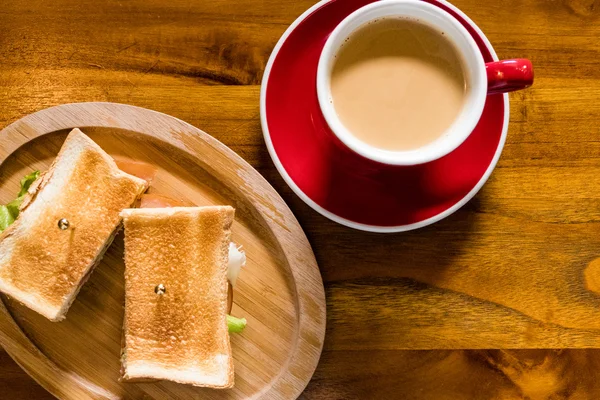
(507, 286)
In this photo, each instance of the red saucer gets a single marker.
(342, 185)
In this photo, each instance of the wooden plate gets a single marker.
(279, 292)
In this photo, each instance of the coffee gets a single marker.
(397, 84)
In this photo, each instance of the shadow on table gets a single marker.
(345, 254)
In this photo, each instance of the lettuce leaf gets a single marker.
(13, 207)
(235, 325)
(6, 218)
(27, 181)
(10, 212)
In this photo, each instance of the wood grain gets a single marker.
(517, 255)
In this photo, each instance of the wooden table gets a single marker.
(514, 269)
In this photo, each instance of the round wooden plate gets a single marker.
(279, 292)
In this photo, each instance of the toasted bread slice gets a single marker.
(43, 266)
(180, 335)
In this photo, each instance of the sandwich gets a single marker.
(176, 325)
(60, 225)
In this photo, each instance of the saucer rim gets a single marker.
(344, 221)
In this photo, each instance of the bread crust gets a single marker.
(181, 335)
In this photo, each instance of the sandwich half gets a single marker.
(66, 222)
(175, 324)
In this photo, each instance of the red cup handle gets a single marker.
(509, 75)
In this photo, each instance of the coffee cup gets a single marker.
(457, 108)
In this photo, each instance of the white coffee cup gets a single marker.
(476, 73)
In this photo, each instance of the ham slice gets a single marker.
(139, 169)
